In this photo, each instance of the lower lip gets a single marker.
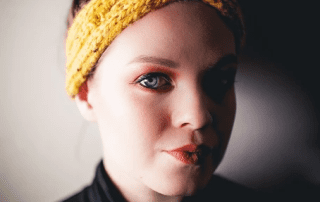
(184, 157)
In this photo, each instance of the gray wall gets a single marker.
(48, 151)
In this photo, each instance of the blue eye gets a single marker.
(155, 81)
(218, 82)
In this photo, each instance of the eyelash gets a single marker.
(158, 76)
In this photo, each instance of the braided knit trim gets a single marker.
(101, 21)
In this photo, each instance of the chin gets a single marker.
(176, 179)
(182, 186)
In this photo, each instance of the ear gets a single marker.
(83, 104)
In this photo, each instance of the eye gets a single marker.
(227, 78)
(157, 81)
(217, 82)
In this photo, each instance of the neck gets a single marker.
(133, 189)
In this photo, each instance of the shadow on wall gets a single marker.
(272, 145)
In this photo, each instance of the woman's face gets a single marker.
(166, 82)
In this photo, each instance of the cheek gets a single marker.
(128, 106)
(131, 123)
(225, 116)
(150, 114)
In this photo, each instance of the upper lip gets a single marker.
(186, 148)
(193, 148)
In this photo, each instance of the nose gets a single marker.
(192, 110)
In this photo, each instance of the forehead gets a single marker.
(187, 31)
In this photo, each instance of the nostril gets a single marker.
(196, 118)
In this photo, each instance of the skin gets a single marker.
(139, 124)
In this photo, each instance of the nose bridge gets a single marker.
(192, 109)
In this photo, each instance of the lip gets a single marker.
(191, 153)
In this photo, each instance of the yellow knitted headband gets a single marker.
(99, 23)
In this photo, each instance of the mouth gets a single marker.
(191, 153)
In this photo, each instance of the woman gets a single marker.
(158, 78)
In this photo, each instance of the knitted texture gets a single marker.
(101, 21)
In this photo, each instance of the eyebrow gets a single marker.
(228, 59)
(154, 60)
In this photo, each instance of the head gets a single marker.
(165, 81)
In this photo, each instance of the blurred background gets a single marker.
(48, 151)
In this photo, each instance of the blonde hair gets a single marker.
(99, 22)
